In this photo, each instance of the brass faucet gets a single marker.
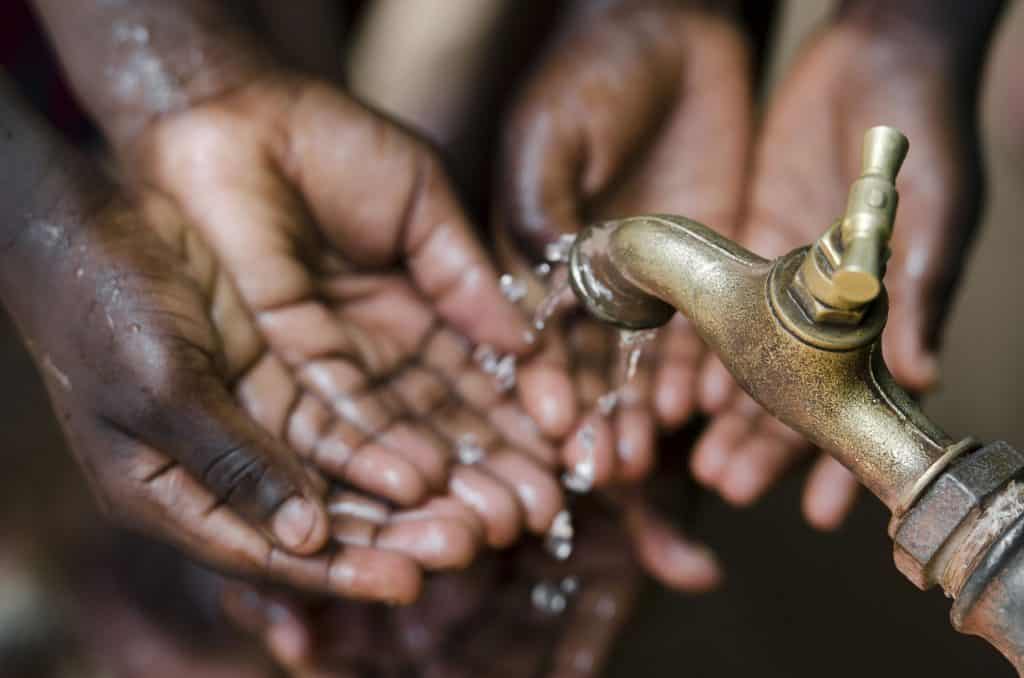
(802, 335)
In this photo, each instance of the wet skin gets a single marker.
(917, 71)
(624, 120)
(643, 108)
(477, 622)
(344, 341)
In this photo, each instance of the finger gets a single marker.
(546, 390)
(589, 454)
(635, 439)
(348, 454)
(195, 421)
(634, 421)
(590, 346)
(177, 506)
(768, 449)
(274, 619)
(555, 158)
(666, 554)
(537, 488)
(495, 504)
(435, 543)
(718, 443)
(516, 426)
(596, 619)
(940, 198)
(413, 216)
(830, 493)
(717, 387)
(675, 383)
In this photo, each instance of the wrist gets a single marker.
(132, 63)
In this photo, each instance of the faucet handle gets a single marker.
(870, 211)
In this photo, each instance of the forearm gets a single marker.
(130, 62)
(47, 191)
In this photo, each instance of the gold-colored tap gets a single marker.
(802, 335)
(843, 270)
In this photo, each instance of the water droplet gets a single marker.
(542, 270)
(513, 288)
(558, 251)
(581, 478)
(486, 358)
(547, 598)
(570, 585)
(468, 450)
(505, 373)
(607, 403)
(559, 538)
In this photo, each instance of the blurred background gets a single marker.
(795, 602)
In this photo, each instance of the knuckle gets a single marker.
(242, 477)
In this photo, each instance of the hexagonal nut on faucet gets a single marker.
(944, 506)
(818, 311)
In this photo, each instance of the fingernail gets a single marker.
(708, 463)
(743, 483)
(294, 522)
(695, 565)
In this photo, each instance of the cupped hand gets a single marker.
(367, 293)
(645, 108)
(848, 80)
(521, 614)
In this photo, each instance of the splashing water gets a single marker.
(501, 367)
(581, 478)
(559, 538)
(559, 293)
(631, 349)
(558, 251)
(468, 449)
(547, 598)
(552, 597)
(513, 288)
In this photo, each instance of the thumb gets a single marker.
(198, 424)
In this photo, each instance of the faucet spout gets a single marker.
(802, 335)
(830, 384)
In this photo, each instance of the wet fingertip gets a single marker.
(589, 453)
(375, 575)
(436, 545)
(716, 388)
(742, 483)
(690, 567)
(673, 401)
(548, 397)
(709, 461)
(300, 525)
(635, 445)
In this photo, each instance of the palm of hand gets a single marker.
(340, 338)
(796, 194)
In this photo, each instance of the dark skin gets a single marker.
(916, 66)
(344, 318)
(632, 127)
(123, 341)
(478, 622)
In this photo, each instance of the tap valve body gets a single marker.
(843, 270)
